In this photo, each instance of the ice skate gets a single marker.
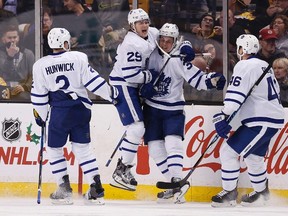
(123, 178)
(225, 199)
(256, 198)
(176, 195)
(95, 194)
(63, 194)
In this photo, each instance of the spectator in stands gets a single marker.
(28, 32)
(4, 90)
(268, 52)
(16, 64)
(234, 29)
(280, 67)
(47, 25)
(85, 28)
(114, 20)
(280, 26)
(83, 24)
(204, 39)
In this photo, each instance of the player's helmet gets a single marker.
(57, 37)
(136, 15)
(249, 44)
(169, 30)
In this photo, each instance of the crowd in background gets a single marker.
(97, 27)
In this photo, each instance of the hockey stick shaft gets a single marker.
(40, 164)
(171, 185)
(115, 150)
(169, 57)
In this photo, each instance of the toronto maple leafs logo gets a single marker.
(163, 85)
(11, 129)
(32, 137)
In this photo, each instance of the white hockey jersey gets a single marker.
(262, 107)
(132, 55)
(58, 78)
(170, 84)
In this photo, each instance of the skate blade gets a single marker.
(232, 203)
(98, 201)
(62, 202)
(164, 201)
(258, 203)
(123, 186)
(179, 197)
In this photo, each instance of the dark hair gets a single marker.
(283, 17)
(205, 15)
(11, 28)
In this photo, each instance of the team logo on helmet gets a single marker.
(11, 129)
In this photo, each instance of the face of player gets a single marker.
(141, 28)
(166, 43)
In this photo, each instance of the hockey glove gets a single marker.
(217, 80)
(38, 119)
(187, 51)
(114, 94)
(150, 75)
(147, 91)
(221, 125)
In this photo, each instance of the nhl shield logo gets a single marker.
(11, 129)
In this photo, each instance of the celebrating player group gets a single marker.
(146, 87)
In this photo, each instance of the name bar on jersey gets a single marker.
(59, 68)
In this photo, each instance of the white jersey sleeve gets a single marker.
(262, 107)
(132, 55)
(64, 76)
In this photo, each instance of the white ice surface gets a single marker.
(29, 206)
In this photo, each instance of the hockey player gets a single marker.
(163, 110)
(261, 116)
(59, 83)
(130, 71)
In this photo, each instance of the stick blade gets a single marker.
(168, 185)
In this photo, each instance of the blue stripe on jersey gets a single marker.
(233, 100)
(116, 78)
(195, 75)
(133, 75)
(92, 80)
(178, 103)
(198, 82)
(129, 68)
(99, 86)
(39, 95)
(263, 119)
(236, 92)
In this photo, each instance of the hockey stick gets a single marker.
(169, 57)
(171, 185)
(40, 164)
(115, 150)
